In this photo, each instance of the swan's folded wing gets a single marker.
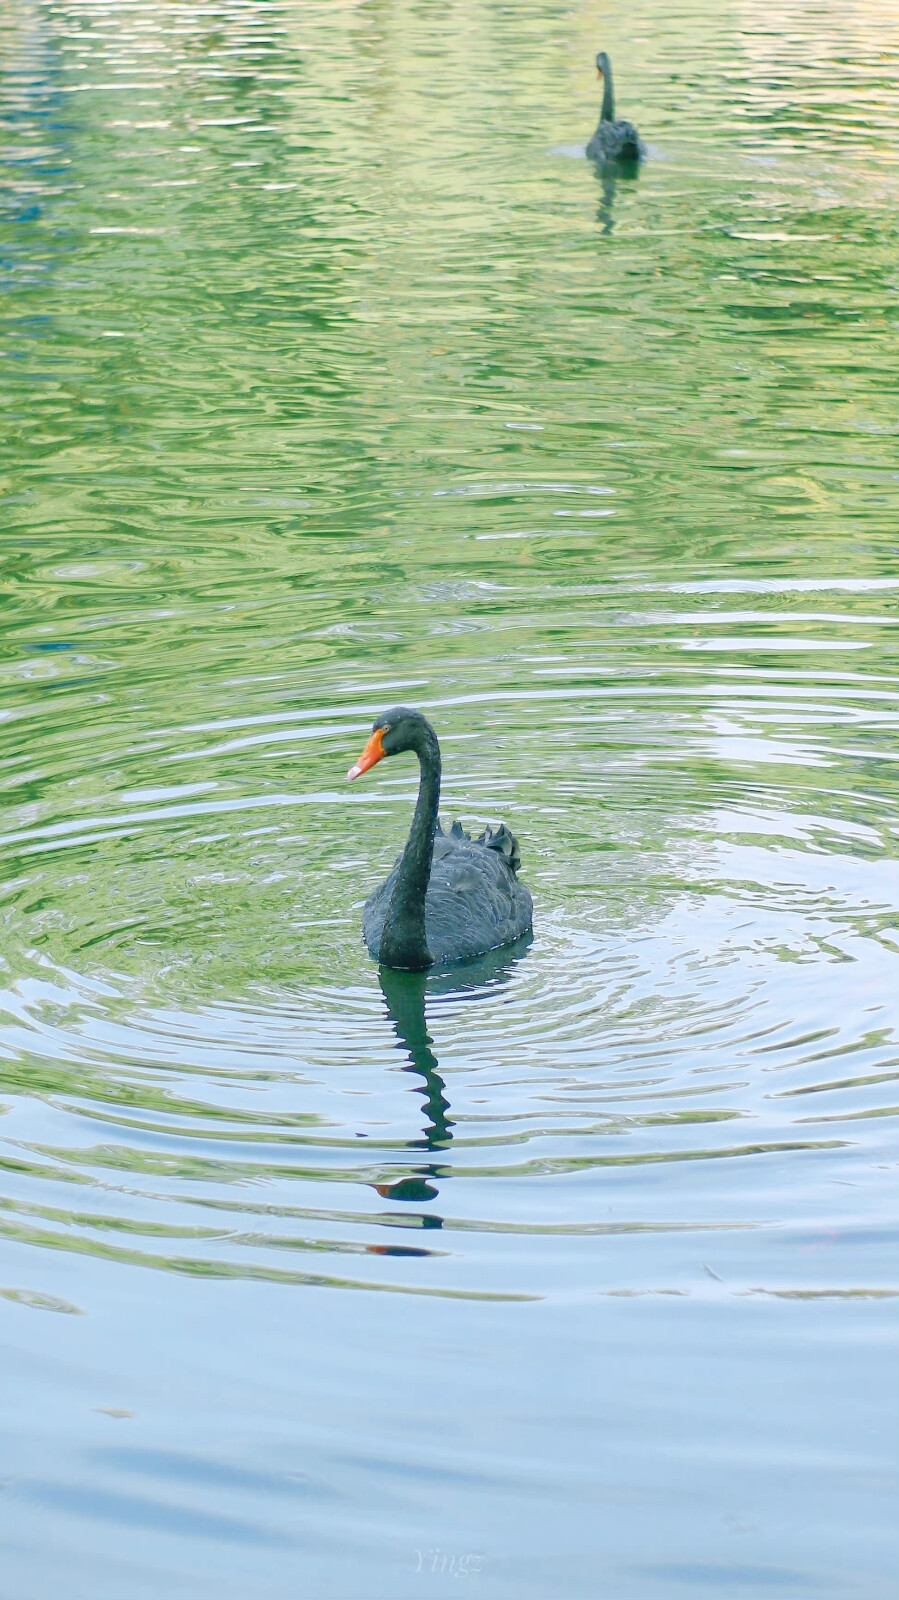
(503, 840)
(474, 901)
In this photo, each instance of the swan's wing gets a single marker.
(615, 141)
(474, 902)
(503, 840)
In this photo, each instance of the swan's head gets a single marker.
(398, 729)
(603, 64)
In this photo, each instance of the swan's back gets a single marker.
(615, 141)
(474, 901)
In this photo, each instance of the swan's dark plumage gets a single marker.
(450, 897)
(474, 901)
(613, 140)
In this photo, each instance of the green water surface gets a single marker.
(332, 376)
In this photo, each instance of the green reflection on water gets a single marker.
(332, 376)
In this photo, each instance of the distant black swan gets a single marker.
(449, 897)
(612, 141)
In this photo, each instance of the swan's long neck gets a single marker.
(403, 941)
(607, 113)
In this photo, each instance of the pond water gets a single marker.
(333, 376)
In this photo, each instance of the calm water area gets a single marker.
(332, 376)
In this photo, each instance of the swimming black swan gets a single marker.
(449, 897)
(612, 141)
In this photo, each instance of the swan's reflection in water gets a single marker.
(610, 174)
(405, 994)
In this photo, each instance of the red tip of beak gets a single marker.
(372, 753)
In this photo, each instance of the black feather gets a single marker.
(474, 900)
(615, 141)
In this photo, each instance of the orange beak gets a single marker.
(372, 753)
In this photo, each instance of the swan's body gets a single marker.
(449, 897)
(474, 902)
(613, 141)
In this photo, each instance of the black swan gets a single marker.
(449, 897)
(612, 141)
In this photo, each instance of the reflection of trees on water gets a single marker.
(405, 994)
(33, 161)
